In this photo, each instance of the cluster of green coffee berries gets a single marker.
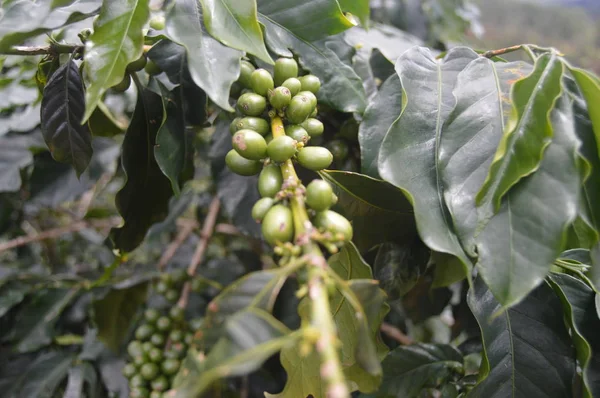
(255, 150)
(161, 342)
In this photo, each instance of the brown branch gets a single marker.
(54, 49)
(501, 51)
(205, 234)
(395, 333)
(227, 229)
(57, 232)
(184, 233)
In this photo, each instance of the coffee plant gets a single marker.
(287, 199)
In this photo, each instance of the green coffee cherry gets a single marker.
(281, 148)
(339, 149)
(261, 207)
(161, 287)
(157, 22)
(179, 276)
(129, 370)
(147, 347)
(277, 225)
(179, 349)
(233, 125)
(137, 381)
(297, 132)
(137, 65)
(144, 332)
(299, 109)
(155, 355)
(188, 339)
(284, 69)
(134, 349)
(160, 384)
(241, 165)
(157, 340)
(280, 97)
(163, 323)
(269, 181)
(149, 371)
(167, 278)
(310, 83)
(139, 392)
(151, 68)
(196, 323)
(156, 394)
(258, 124)
(333, 222)
(139, 361)
(151, 315)
(177, 314)
(251, 104)
(310, 96)
(319, 195)
(261, 82)
(170, 366)
(313, 127)
(172, 295)
(315, 158)
(246, 69)
(249, 144)
(176, 336)
(123, 85)
(269, 138)
(293, 84)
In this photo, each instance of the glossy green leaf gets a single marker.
(515, 254)
(170, 148)
(250, 338)
(213, 66)
(528, 350)
(34, 323)
(144, 199)
(358, 8)
(102, 123)
(293, 25)
(69, 141)
(527, 134)
(117, 41)
(235, 24)
(470, 137)
(22, 20)
(579, 306)
(409, 153)
(590, 88)
(381, 112)
(115, 312)
(410, 369)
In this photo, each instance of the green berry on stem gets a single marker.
(151, 68)
(281, 148)
(315, 158)
(249, 144)
(313, 127)
(280, 97)
(157, 22)
(151, 315)
(138, 64)
(177, 314)
(292, 84)
(157, 340)
(277, 225)
(261, 82)
(147, 347)
(137, 381)
(161, 287)
(156, 394)
(129, 370)
(319, 195)
(170, 366)
(155, 355)
(139, 392)
(144, 332)
(123, 85)
(139, 361)
(172, 295)
(270, 181)
(258, 124)
(246, 70)
(241, 165)
(261, 207)
(160, 384)
(284, 69)
(297, 132)
(310, 96)
(233, 125)
(164, 323)
(299, 109)
(333, 222)
(176, 336)
(310, 83)
(149, 371)
(251, 104)
(134, 349)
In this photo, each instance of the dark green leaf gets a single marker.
(117, 41)
(579, 306)
(171, 142)
(425, 300)
(590, 88)
(527, 134)
(11, 294)
(471, 135)
(144, 199)
(408, 370)
(213, 66)
(34, 323)
(22, 20)
(358, 8)
(102, 123)
(399, 267)
(69, 141)
(114, 313)
(382, 111)
(250, 338)
(514, 253)
(409, 152)
(234, 23)
(528, 351)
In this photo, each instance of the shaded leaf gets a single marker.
(14, 156)
(381, 112)
(409, 369)
(579, 306)
(11, 294)
(102, 123)
(117, 41)
(527, 134)
(14, 93)
(518, 245)
(358, 8)
(69, 141)
(409, 152)
(144, 199)
(249, 339)
(590, 88)
(235, 24)
(527, 348)
(82, 379)
(212, 66)
(115, 312)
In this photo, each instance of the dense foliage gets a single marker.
(276, 198)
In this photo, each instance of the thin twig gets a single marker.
(395, 333)
(205, 234)
(181, 237)
(57, 232)
(227, 229)
(502, 51)
(54, 48)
